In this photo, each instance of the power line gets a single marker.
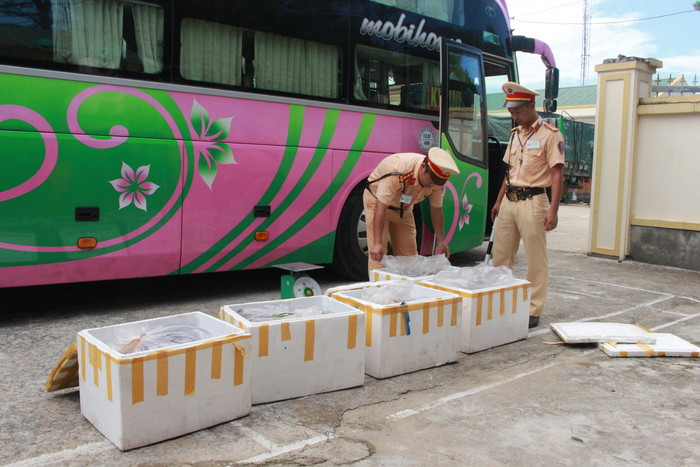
(605, 22)
(547, 9)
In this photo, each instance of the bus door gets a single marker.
(463, 134)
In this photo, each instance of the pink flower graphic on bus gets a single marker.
(464, 212)
(133, 186)
(210, 148)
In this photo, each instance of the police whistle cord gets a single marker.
(490, 247)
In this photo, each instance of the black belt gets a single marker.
(521, 193)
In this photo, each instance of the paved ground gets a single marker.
(526, 403)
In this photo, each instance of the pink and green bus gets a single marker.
(148, 138)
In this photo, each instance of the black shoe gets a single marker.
(534, 322)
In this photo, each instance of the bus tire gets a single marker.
(351, 251)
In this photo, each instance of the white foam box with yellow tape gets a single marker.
(491, 316)
(422, 332)
(299, 356)
(141, 398)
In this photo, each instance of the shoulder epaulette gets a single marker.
(406, 176)
(551, 127)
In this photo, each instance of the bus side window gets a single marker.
(211, 52)
(108, 34)
(296, 66)
(400, 80)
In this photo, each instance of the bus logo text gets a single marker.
(400, 33)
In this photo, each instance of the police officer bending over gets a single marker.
(400, 181)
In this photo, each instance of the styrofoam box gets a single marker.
(144, 397)
(299, 356)
(666, 345)
(491, 316)
(376, 275)
(422, 332)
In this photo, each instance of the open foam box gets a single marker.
(144, 397)
(299, 356)
(491, 316)
(422, 332)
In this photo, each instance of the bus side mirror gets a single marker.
(551, 89)
(551, 83)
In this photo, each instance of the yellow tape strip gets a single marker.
(162, 373)
(368, 327)
(108, 367)
(515, 300)
(190, 370)
(525, 287)
(239, 363)
(489, 313)
(264, 335)
(642, 327)
(136, 380)
(502, 298)
(647, 350)
(455, 310)
(216, 352)
(82, 359)
(426, 318)
(440, 314)
(352, 331)
(402, 321)
(309, 340)
(477, 312)
(96, 362)
(286, 331)
(393, 321)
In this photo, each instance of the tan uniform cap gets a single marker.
(517, 94)
(441, 164)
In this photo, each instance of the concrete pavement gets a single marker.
(526, 403)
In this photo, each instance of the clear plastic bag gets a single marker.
(132, 339)
(394, 292)
(477, 277)
(417, 265)
(270, 312)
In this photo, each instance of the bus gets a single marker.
(163, 137)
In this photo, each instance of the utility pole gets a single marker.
(586, 36)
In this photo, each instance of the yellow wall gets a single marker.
(666, 179)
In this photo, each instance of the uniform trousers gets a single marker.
(402, 230)
(524, 220)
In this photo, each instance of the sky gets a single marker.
(667, 30)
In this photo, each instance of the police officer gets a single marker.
(400, 181)
(535, 158)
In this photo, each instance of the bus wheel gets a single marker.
(351, 252)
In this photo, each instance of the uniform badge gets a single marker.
(561, 146)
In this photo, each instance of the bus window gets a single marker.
(108, 34)
(211, 52)
(296, 66)
(444, 10)
(464, 106)
(397, 80)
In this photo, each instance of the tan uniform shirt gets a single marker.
(390, 190)
(532, 152)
